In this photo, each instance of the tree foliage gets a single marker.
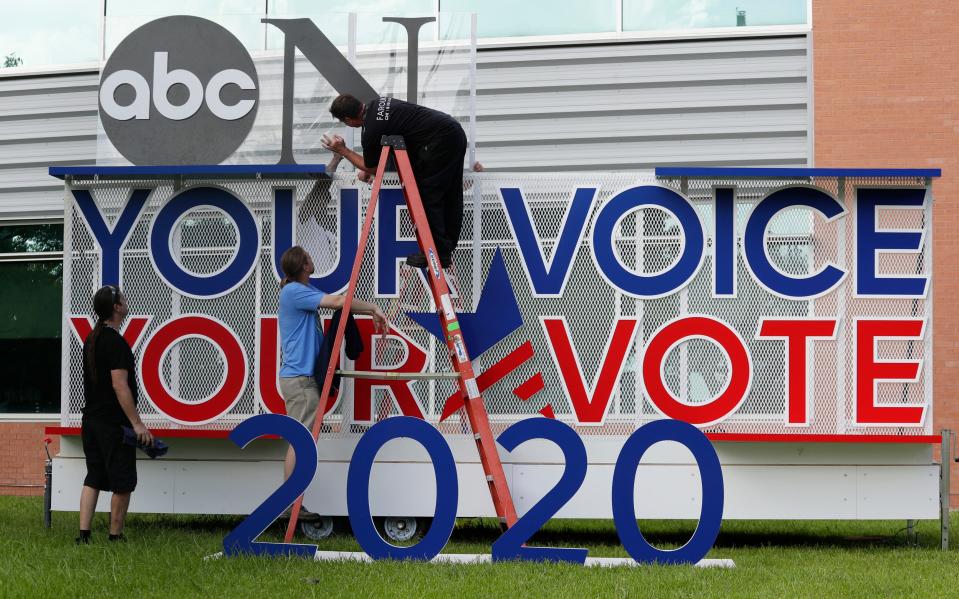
(12, 60)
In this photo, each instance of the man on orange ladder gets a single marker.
(436, 144)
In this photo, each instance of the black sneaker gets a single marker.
(304, 516)
(83, 539)
(418, 260)
(118, 538)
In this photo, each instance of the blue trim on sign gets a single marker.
(706, 171)
(195, 169)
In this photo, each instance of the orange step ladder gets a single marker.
(473, 399)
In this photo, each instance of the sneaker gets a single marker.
(83, 539)
(418, 260)
(305, 515)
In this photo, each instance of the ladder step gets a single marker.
(413, 376)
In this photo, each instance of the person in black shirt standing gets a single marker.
(436, 144)
(110, 391)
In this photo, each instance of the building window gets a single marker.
(506, 18)
(661, 15)
(239, 17)
(332, 17)
(38, 34)
(68, 32)
(31, 268)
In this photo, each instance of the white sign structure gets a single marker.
(786, 315)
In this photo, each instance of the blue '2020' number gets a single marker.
(510, 545)
(624, 479)
(358, 488)
(240, 540)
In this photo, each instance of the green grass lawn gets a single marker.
(164, 558)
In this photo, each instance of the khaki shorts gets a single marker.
(302, 398)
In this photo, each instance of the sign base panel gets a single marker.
(772, 481)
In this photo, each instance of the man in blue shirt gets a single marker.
(300, 336)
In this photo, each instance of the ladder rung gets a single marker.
(381, 374)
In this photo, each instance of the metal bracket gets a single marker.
(945, 461)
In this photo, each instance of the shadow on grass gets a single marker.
(599, 533)
(196, 523)
(746, 539)
(734, 534)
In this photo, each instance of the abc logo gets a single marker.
(163, 80)
(178, 90)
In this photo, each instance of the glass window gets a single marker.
(652, 15)
(508, 18)
(32, 305)
(49, 32)
(332, 18)
(239, 17)
(15, 239)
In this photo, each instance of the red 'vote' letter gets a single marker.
(870, 371)
(798, 334)
(740, 369)
(589, 404)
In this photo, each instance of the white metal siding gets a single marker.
(627, 106)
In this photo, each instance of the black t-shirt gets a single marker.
(111, 352)
(389, 116)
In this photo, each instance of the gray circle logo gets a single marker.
(178, 90)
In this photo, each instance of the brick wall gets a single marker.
(22, 458)
(887, 95)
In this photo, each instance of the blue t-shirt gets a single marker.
(299, 336)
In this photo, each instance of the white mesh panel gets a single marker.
(648, 241)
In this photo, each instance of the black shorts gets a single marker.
(111, 464)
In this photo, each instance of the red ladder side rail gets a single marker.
(341, 326)
(473, 400)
